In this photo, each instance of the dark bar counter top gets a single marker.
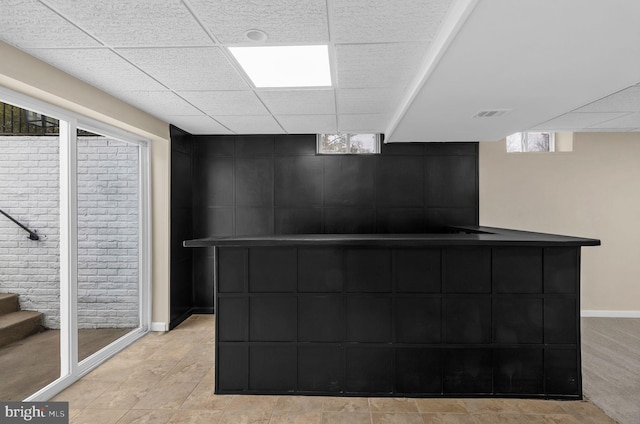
(472, 311)
(456, 236)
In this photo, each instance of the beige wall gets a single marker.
(593, 191)
(27, 75)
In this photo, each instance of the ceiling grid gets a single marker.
(171, 59)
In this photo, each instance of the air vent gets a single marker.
(491, 113)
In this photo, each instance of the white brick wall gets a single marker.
(29, 191)
(107, 228)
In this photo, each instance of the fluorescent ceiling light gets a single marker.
(285, 66)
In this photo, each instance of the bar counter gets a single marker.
(475, 311)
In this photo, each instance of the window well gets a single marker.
(531, 142)
(348, 144)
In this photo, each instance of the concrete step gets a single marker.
(8, 303)
(16, 326)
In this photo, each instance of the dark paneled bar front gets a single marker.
(473, 312)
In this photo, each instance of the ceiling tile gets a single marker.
(377, 65)
(577, 121)
(251, 124)
(299, 102)
(371, 21)
(366, 123)
(627, 100)
(101, 68)
(622, 123)
(226, 102)
(378, 47)
(367, 100)
(284, 21)
(198, 68)
(135, 22)
(197, 124)
(158, 103)
(296, 124)
(30, 24)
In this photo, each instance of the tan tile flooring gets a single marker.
(168, 378)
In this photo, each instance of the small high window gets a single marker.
(531, 142)
(348, 144)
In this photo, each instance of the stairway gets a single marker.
(16, 324)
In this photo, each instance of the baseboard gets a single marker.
(193, 310)
(159, 326)
(609, 314)
(177, 321)
(202, 310)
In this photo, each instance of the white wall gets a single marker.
(25, 74)
(30, 192)
(593, 191)
(108, 233)
(107, 228)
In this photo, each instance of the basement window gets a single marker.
(348, 144)
(531, 142)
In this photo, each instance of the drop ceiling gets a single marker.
(416, 70)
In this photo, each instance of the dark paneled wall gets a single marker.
(276, 184)
(261, 185)
(181, 300)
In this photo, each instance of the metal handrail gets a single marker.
(32, 234)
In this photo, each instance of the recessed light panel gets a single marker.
(285, 66)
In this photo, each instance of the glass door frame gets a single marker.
(70, 369)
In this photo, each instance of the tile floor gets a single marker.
(168, 378)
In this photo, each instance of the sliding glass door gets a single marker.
(95, 270)
(108, 178)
